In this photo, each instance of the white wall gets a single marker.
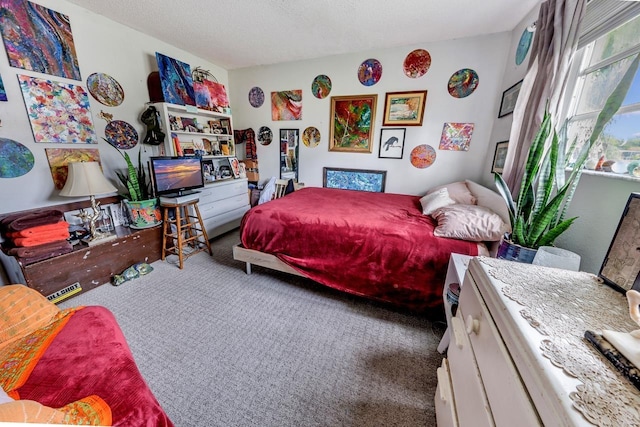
(486, 55)
(102, 46)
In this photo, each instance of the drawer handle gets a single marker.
(458, 331)
(443, 384)
(473, 325)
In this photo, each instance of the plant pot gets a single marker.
(143, 213)
(512, 252)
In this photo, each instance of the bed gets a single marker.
(377, 245)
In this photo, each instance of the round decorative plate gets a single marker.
(121, 134)
(256, 97)
(463, 82)
(523, 46)
(105, 89)
(311, 137)
(321, 86)
(265, 136)
(369, 72)
(417, 63)
(15, 159)
(423, 156)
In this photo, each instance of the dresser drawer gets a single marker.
(509, 400)
(224, 190)
(444, 403)
(207, 210)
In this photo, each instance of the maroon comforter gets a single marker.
(377, 245)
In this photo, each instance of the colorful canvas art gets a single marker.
(462, 83)
(265, 136)
(456, 136)
(370, 72)
(38, 39)
(417, 63)
(121, 134)
(256, 97)
(423, 156)
(352, 119)
(176, 81)
(286, 105)
(105, 89)
(3, 93)
(354, 179)
(58, 112)
(59, 159)
(523, 46)
(211, 95)
(311, 137)
(321, 86)
(15, 159)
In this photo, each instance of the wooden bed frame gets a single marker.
(250, 256)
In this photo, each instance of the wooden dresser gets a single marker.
(517, 355)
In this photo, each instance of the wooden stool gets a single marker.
(189, 231)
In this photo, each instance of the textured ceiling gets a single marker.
(244, 33)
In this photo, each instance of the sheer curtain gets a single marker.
(552, 52)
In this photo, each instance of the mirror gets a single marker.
(289, 143)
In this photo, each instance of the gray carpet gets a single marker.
(222, 348)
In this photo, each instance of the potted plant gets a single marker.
(143, 209)
(538, 214)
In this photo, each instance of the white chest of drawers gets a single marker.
(222, 205)
(512, 321)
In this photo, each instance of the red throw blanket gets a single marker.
(378, 245)
(17, 222)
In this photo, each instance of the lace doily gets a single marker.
(561, 305)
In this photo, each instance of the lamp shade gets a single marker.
(86, 179)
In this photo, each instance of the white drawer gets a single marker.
(509, 400)
(444, 403)
(224, 190)
(208, 210)
(468, 391)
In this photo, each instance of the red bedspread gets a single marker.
(378, 245)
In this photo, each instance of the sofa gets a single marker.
(70, 366)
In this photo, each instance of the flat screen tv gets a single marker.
(176, 176)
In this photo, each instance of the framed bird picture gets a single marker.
(391, 143)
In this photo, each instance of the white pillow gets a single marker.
(469, 222)
(435, 200)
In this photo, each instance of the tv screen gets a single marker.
(176, 176)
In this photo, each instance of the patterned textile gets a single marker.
(247, 136)
(89, 411)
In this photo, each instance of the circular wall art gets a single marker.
(256, 97)
(423, 156)
(321, 86)
(369, 72)
(121, 134)
(463, 82)
(311, 137)
(265, 136)
(417, 63)
(105, 89)
(15, 159)
(523, 46)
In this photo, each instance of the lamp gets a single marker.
(86, 179)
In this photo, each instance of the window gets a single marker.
(602, 63)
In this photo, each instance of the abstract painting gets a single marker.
(523, 45)
(256, 97)
(58, 112)
(105, 89)
(354, 179)
(352, 119)
(311, 137)
(3, 93)
(321, 86)
(15, 159)
(462, 83)
(38, 39)
(423, 156)
(59, 159)
(370, 72)
(211, 95)
(404, 108)
(286, 105)
(176, 81)
(456, 136)
(265, 136)
(417, 63)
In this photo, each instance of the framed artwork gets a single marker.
(456, 136)
(235, 166)
(176, 80)
(391, 143)
(286, 105)
(404, 108)
(351, 127)
(354, 179)
(499, 156)
(509, 98)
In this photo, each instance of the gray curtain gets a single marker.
(553, 49)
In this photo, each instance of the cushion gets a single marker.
(490, 199)
(469, 222)
(436, 200)
(458, 191)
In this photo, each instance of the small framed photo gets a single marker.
(391, 143)
(509, 98)
(404, 108)
(235, 166)
(500, 156)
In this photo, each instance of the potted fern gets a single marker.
(538, 214)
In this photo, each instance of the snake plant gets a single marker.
(538, 215)
(134, 179)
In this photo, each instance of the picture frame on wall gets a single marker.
(354, 179)
(352, 123)
(404, 108)
(391, 143)
(509, 98)
(500, 156)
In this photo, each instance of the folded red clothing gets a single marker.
(42, 255)
(17, 222)
(32, 251)
(41, 239)
(40, 230)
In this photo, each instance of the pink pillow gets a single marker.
(458, 191)
(435, 200)
(469, 222)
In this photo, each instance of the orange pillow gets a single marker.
(22, 311)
